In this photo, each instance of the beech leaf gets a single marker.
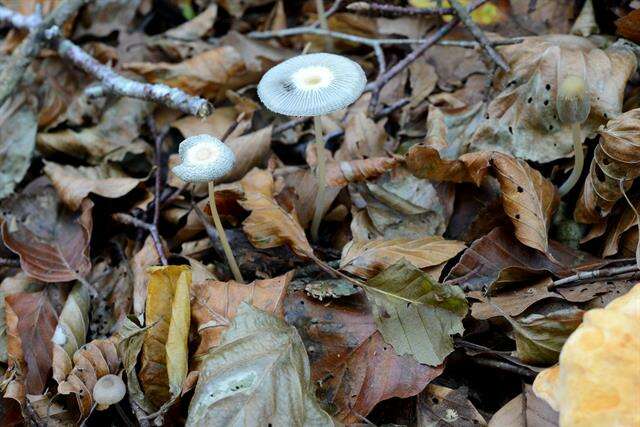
(259, 372)
(414, 313)
(18, 128)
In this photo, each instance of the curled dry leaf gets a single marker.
(616, 162)
(259, 372)
(75, 183)
(629, 26)
(164, 350)
(342, 173)
(71, 332)
(31, 322)
(416, 314)
(425, 162)
(522, 120)
(352, 365)
(91, 362)
(215, 304)
(52, 242)
(366, 259)
(439, 406)
(596, 381)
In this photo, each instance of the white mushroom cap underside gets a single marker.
(312, 85)
(204, 158)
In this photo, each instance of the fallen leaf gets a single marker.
(17, 142)
(236, 8)
(129, 347)
(141, 260)
(251, 150)
(53, 243)
(164, 350)
(260, 372)
(628, 26)
(197, 27)
(75, 183)
(342, 173)
(526, 409)
(331, 288)
(439, 406)
(366, 259)
(34, 320)
(414, 313)
(425, 162)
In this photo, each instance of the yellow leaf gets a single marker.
(166, 310)
(487, 14)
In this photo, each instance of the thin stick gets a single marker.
(151, 228)
(223, 236)
(328, 43)
(364, 6)
(478, 34)
(320, 173)
(595, 274)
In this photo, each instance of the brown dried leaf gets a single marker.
(512, 301)
(144, 258)
(528, 198)
(90, 363)
(439, 406)
(53, 243)
(366, 259)
(32, 319)
(363, 139)
(251, 150)
(342, 173)
(616, 160)
(353, 366)
(629, 26)
(214, 305)
(75, 183)
(425, 162)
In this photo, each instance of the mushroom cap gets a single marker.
(204, 158)
(573, 100)
(108, 390)
(312, 85)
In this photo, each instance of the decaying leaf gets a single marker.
(129, 347)
(366, 259)
(615, 164)
(164, 350)
(259, 372)
(53, 243)
(18, 140)
(522, 119)
(439, 406)
(596, 381)
(331, 288)
(414, 313)
(71, 332)
(629, 26)
(526, 409)
(342, 173)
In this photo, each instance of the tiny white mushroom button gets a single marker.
(204, 158)
(108, 390)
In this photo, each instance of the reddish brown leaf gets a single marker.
(629, 26)
(36, 323)
(354, 367)
(425, 162)
(52, 242)
(342, 173)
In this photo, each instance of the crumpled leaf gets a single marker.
(91, 362)
(366, 259)
(439, 406)
(215, 304)
(342, 173)
(414, 313)
(71, 332)
(616, 159)
(31, 321)
(526, 409)
(18, 127)
(129, 347)
(53, 243)
(331, 288)
(251, 150)
(352, 365)
(236, 8)
(522, 120)
(75, 183)
(260, 372)
(144, 258)
(596, 382)
(426, 162)
(164, 350)
(528, 199)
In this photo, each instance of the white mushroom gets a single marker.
(108, 390)
(313, 85)
(205, 159)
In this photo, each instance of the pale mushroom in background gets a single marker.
(109, 390)
(313, 85)
(205, 159)
(573, 107)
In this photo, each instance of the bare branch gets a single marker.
(21, 22)
(363, 6)
(151, 228)
(596, 274)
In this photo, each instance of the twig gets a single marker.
(595, 274)
(30, 47)
(504, 366)
(49, 32)
(151, 228)
(7, 262)
(232, 127)
(158, 137)
(19, 21)
(478, 34)
(363, 6)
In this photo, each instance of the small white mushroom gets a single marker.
(313, 85)
(205, 159)
(573, 107)
(108, 390)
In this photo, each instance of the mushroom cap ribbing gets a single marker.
(312, 85)
(204, 158)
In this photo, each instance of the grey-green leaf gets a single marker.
(259, 374)
(416, 314)
(17, 142)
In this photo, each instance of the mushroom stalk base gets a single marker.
(320, 174)
(223, 236)
(578, 163)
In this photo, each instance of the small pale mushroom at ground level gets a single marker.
(109, 389)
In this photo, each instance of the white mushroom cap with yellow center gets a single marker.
(204, 158)
(312, 85)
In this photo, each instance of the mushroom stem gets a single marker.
(578, 163)
(320, 174)
(223, 236)
(328, 41)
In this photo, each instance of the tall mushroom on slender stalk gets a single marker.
(205, 159)
(573, 107)
(313, 85)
